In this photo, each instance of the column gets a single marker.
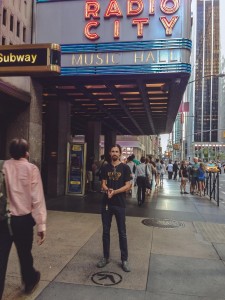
(92, 138)
(57, 135)
(110, 139)
(26, 122)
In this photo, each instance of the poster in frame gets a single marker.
(76, 169)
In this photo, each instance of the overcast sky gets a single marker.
(164, 141)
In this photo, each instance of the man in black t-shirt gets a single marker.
(115, 183)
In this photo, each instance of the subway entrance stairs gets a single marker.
(176, 249)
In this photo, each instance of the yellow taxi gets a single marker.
(212, 167)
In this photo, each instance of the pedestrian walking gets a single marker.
(184, 177)
(163, 171)
(115, 183)
(201, 178)
(194, 176)
(142, 177)
(153, 164)
(175, 169)
(27, 208)
(132, 167)
(158, 172)
(170, 169)
(150, 168)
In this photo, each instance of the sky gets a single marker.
(164, 141)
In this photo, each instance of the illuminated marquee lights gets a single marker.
(92, 9)
(151, 7)
(169, 10)
(113, 10)
(134, 8)
(169, 25)
(87, 28)
(140, 23)
(116, 29)
(131, 11)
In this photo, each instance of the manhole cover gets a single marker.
(162, 223)
(106, 278)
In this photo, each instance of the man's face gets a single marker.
(115, 153)
(195, 160)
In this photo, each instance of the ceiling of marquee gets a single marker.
(130, 105)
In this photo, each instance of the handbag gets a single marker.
(147, 182)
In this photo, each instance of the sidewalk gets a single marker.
(181, 257)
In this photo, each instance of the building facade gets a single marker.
(124, 69)
(20, 97)
(204, 131)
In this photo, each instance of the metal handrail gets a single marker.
(212, 186)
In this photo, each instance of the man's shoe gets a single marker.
(31, 287)
(103, 262)
(186, 193)
(125, 266)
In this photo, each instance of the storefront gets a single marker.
(124, 69)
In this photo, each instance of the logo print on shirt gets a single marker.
(114, 175)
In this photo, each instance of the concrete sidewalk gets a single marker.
(181, 257)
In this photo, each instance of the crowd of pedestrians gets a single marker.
(148, 171)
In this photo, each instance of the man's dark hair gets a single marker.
(18, 148)
(132, 156)
(143, 159)
(118, 146)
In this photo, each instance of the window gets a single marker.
(11, 22)
(18, 28)
(3, 40)
(4, 16)
(24, 34)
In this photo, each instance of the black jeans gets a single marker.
(175, 175)
(170, 174)
(107, 215)
(22, 228)
(141, 183)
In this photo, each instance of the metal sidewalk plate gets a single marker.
(162, 223)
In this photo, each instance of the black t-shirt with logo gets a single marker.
(116, 177)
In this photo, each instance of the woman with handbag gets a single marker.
(151, 171)
(141, 178)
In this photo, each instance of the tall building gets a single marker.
(205, 123)
(20, 108)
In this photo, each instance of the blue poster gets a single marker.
(76, 182)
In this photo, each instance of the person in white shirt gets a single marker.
(170, 169)
(163, 171)
(141, 177)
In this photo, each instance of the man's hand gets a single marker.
(41, 237)
(111, 192)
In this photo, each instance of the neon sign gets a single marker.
(134, 8)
